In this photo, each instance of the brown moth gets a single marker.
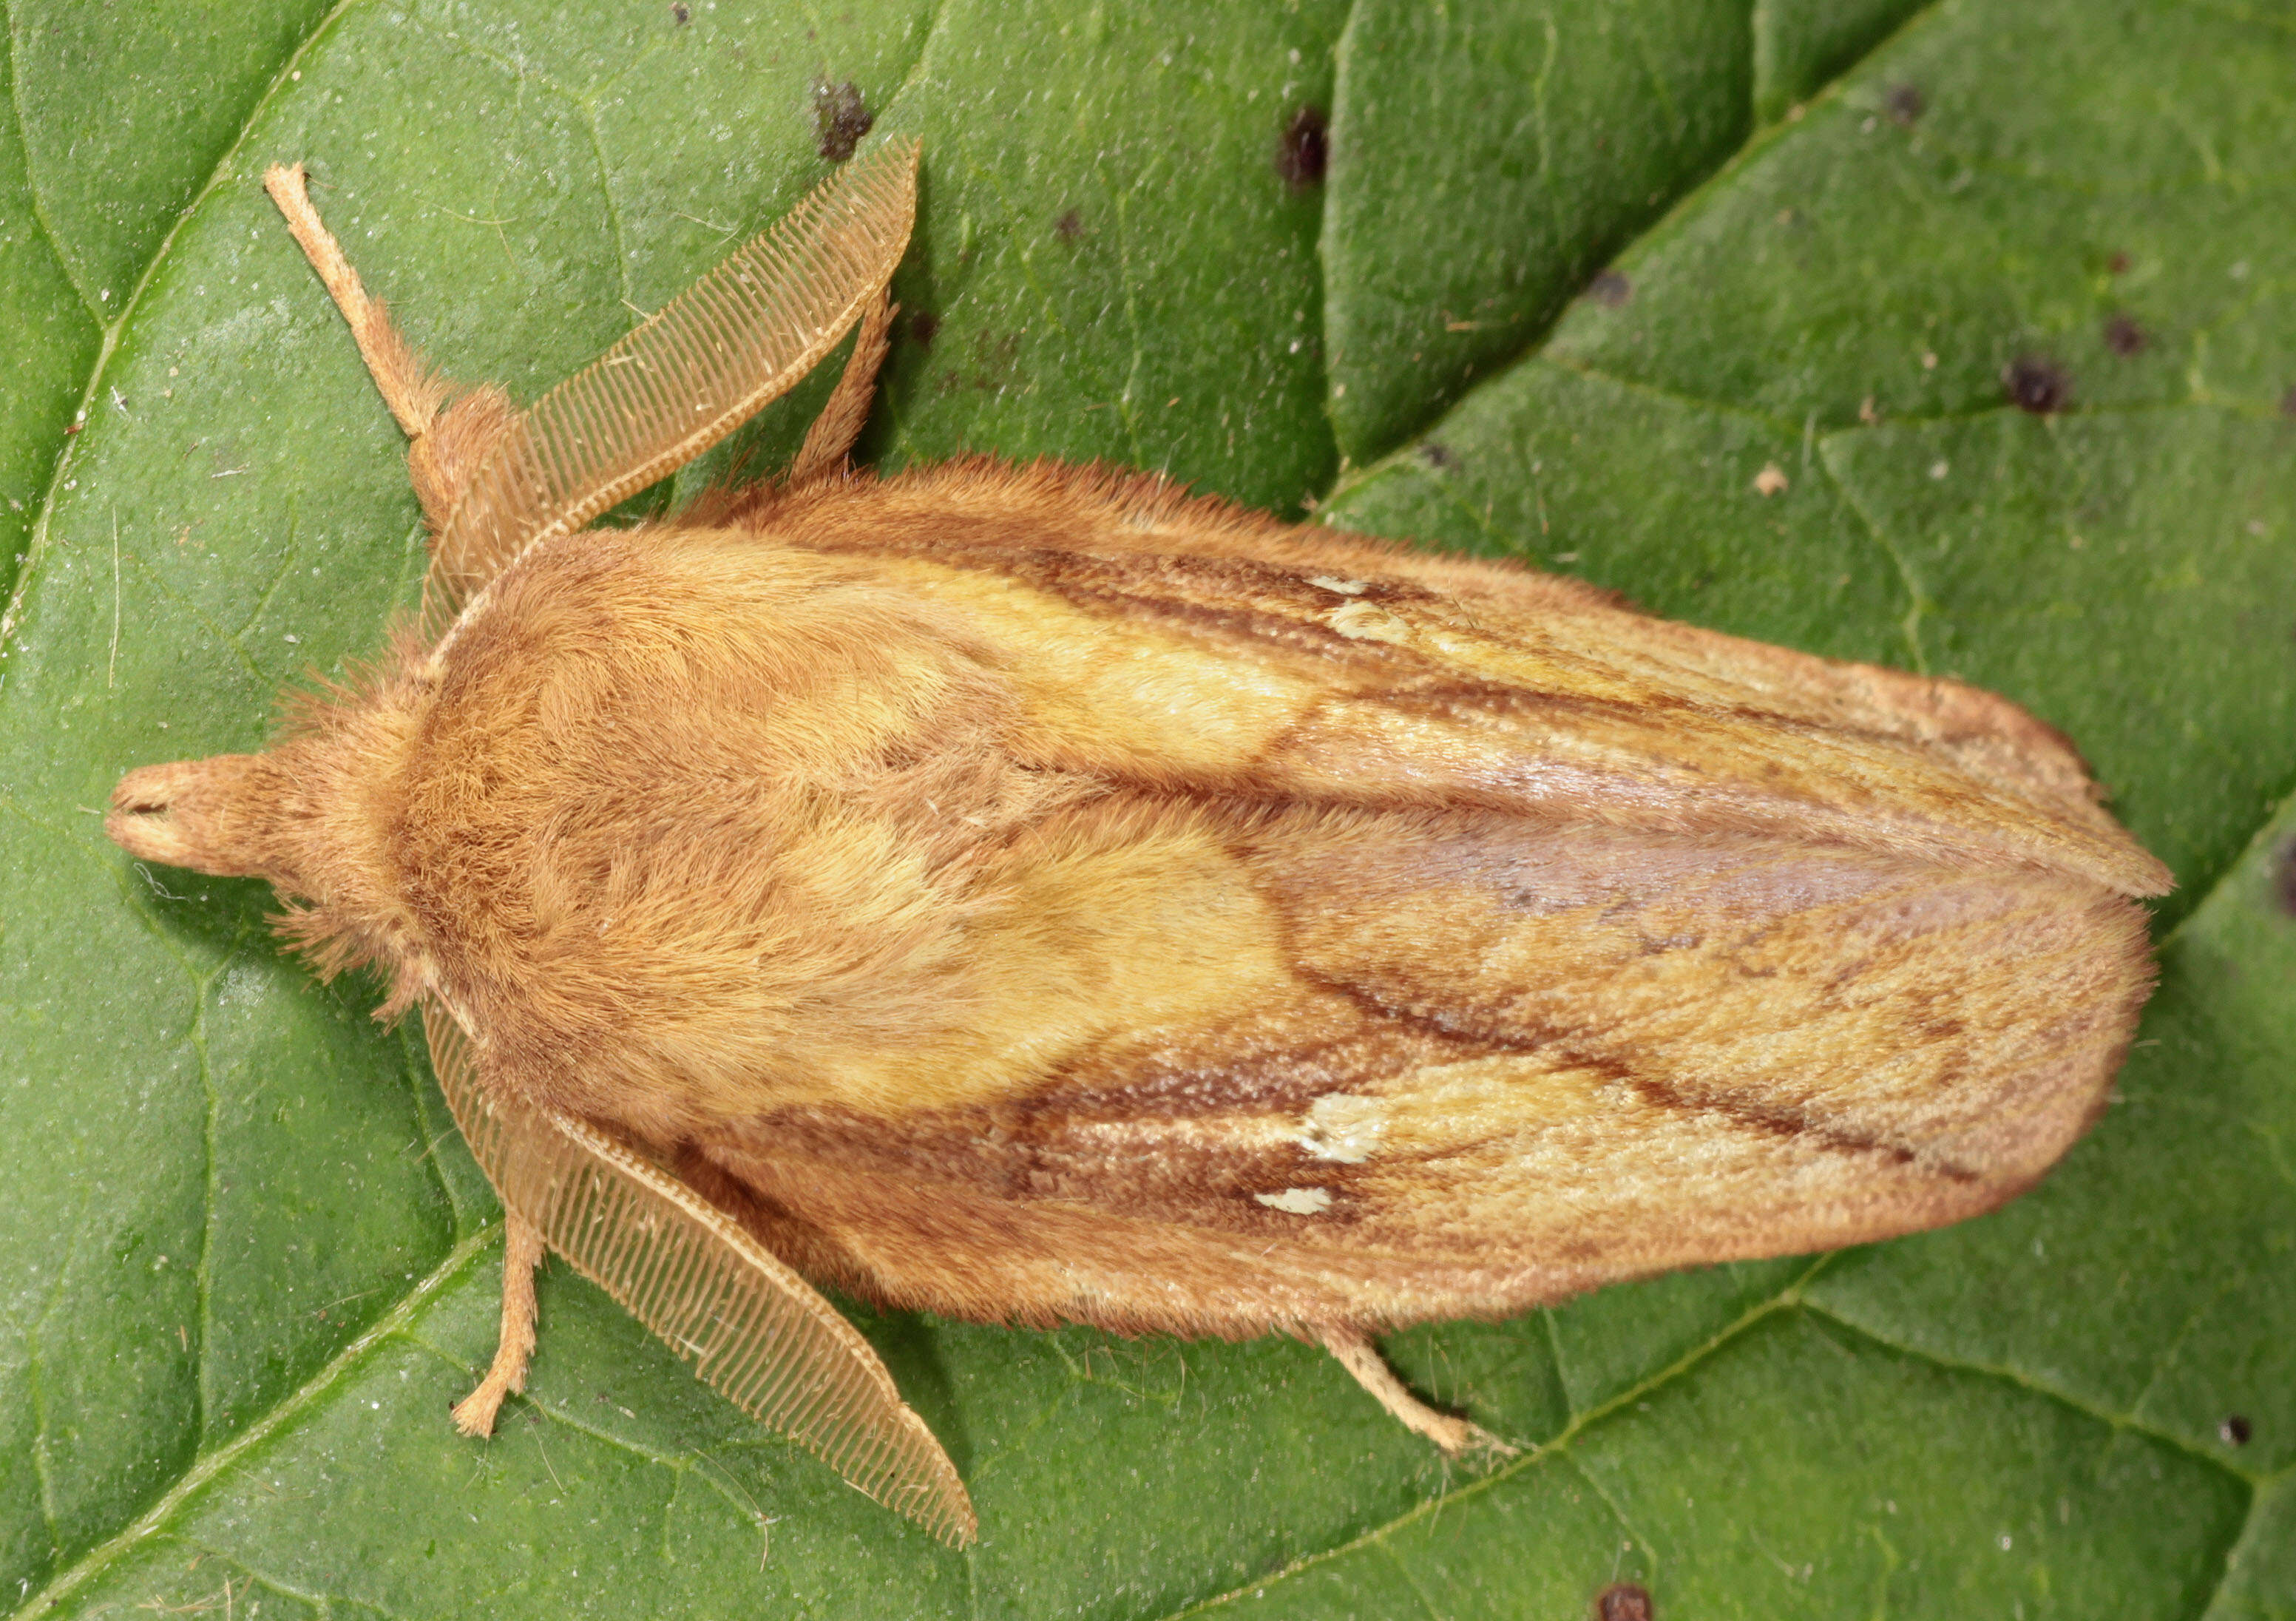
(1035, 896)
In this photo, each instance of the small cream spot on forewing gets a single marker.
(1298, 1201)
(1324, 582)
(1342, 1128)
(1366, 622)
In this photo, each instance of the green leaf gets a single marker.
(1573, 278)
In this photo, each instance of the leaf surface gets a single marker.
(1571, 279)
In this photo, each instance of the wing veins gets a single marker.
(744, 334)
(753, 1329)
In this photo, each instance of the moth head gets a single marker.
(312, 815)
(204, 815)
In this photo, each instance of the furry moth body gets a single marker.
(1033, 895)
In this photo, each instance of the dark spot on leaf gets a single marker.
(2125, 337)
(681, 15)
(2288, 401)
(2234, 1431)
(2283, 878)
(1624, 1601)
(1905, 104)
(2037, 384)
(996, 359)
(923, 325)
(1305, 149)
(1068, 226)
(838, 119)
(2117, 264)
(1437, 456)
(1611, 288)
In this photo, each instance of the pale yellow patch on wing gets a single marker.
(1343, 1127)
(1368, 622)
(1127, 688)
(1097, 931)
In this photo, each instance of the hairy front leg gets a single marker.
(474, 1414)
(450, 430)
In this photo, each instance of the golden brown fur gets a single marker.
(1036, 895)
(994, 904)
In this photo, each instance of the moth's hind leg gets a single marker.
(474, 1414)
(834, 431)
(447, 436)
(1454, 1435)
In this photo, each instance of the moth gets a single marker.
(1035, 895)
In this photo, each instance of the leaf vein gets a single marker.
(36, 549)
(1917, 598)
(2034, 1385)
(31, 182)
(1758, 140)
(209, 1467)
(1790, 1296)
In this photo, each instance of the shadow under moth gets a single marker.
(1036, 895)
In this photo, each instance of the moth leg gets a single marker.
(474, 1414)
(834, 431)
(447, 440)
(1454, 1435)
(407, 385)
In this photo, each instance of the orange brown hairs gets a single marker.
(1036, 895)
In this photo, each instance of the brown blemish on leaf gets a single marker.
(2234, 1431)
(923, 326)
(2283, 878)
(2037, 384)
(995, 357)
(1068, 226)
(1611, 289)
(1437, 456)
(1624, 1601)
(2288, 401)
(838, 119)
(2117, 264)
(1905, 104)
(2125, 336)
(681, 14)
(1305, 149)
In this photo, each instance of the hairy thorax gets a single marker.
(695, 826)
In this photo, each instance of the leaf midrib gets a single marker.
(69, 455)
(391, 1323)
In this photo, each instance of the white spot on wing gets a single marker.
(1366, 622)
(1342, 1128)
(1324, 582)
(1298, 1201)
